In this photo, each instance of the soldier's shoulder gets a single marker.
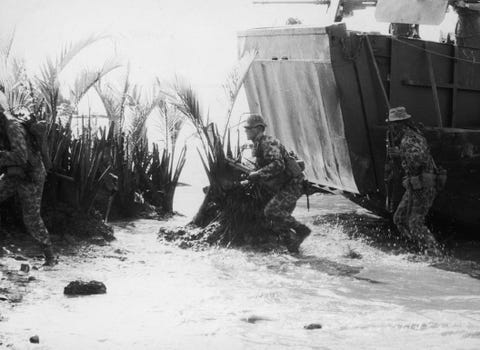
(412, 136)
(270, 140)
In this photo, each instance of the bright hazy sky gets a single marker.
(195, 39)
(191, 38)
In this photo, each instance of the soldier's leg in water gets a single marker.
(278, 211)
(421, 204)
(400, 218)
(31, 198)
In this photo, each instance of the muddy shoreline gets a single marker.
(346, 261)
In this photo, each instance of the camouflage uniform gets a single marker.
(28, 183)
(270, 165)
(415, 204)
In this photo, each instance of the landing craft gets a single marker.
(325, 92)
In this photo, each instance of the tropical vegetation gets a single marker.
(231, 213)
(112, 169)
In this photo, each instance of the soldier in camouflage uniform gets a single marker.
(23, 174)
(419, 181)
(270, 167)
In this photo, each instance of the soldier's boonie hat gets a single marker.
(397, 114)
(254, 120)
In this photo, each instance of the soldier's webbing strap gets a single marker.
(306, 190)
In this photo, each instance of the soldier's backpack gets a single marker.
(294, 166)
(37, 131)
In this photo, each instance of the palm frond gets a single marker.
(124, 96)
(48, 79)
(189, 104)
(114, 100)
(138, 129)
(109, 99)
(169, 123)
(234, 83)
(88, 78)
(69, 51)
(6, 46)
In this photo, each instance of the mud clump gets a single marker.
(233, 219)
(185, 237)
(312, 326)
(255, 319)
(352, 254)
(198, 238)
(35, 339)
(85, 288)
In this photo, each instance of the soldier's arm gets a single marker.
(18, 154)
(272, 153)
(474, 6)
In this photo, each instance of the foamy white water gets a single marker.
(162, 297)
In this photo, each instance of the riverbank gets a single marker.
(363, 293)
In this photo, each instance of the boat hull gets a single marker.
(325, 93)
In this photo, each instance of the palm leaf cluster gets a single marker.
(231, 214)
(146, 173)
(81, 162)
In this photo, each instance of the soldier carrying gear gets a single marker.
(287, 188)
(23, 175)
(411, 147)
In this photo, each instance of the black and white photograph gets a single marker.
(239, 174)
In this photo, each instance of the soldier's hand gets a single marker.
(254, 175)
(244, 183)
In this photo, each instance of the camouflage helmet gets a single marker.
(254, 120)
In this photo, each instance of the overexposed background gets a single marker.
(160, 38)
(192, 39)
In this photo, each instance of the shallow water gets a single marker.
(162, 297)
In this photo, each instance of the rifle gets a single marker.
(309, 187)
(238, 166)
(388, 173)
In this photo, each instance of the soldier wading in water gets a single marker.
(420, 181)
(287, 189)
(22, 173)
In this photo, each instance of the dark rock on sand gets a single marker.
(85, 288)
(313, 326)
(34, 339)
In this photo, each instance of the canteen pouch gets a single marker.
(293, 166)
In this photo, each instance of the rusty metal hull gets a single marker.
(320, 89)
